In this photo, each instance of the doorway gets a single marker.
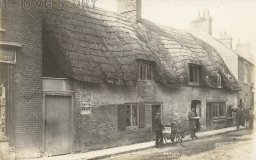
(58, 139)
(155, 109)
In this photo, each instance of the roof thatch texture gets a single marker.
(94, 45)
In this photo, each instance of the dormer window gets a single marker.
(145, 71)
(194, 74)
(219, 80)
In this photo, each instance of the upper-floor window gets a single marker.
(194, 73)
(145, 71)
(246, 73)
(219, 80)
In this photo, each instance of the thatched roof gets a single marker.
(94, 45)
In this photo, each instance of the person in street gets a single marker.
(192, 116)
(159, 129)
(239, 116)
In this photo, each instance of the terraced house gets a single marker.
(86, 79)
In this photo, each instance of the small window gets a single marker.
(132, 115)
(219, 80)
(194, 73)
(145, 72)
(218, 109)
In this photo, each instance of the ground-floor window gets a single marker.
(218, 109)
(131, 115)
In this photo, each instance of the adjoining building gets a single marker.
(86, 79)
(239, 59)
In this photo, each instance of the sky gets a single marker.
(236, 17)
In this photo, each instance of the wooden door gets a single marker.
(58, 125)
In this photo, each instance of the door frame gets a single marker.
(161, 108)
(72, 131)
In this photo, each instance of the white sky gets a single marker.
(236, 17)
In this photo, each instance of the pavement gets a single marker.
(104, 153)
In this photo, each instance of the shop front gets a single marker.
(7, 60)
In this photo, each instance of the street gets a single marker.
(238, 145)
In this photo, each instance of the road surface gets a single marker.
(238, 145)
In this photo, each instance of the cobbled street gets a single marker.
(239, 145)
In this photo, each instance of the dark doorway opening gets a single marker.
(155, 109)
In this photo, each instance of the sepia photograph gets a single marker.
(127, 79)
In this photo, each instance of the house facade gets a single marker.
(84, 79)
(238, 59)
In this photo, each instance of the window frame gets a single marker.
(217, 108)
(191, 66)
(131, 115)
(144, 69)
(219, 80)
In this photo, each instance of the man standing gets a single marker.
(192, 122)
(239, 116)
(159, 129)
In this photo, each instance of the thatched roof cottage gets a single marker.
(122, 69)
(78, 79)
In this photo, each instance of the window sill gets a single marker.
(193, 84)
(147, 81)
(132, 128)
(222, 118)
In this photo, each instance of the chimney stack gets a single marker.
(202, 25)
(226, 39)
(130, 8)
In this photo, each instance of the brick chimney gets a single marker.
(226, 39)
(202, 24)
(130, 8)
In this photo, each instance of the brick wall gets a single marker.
(100, 130)
(24, 26)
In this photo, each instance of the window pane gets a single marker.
(128, 115)
(191, 72)
(134, 115)
(194, 72)
(222, 109)
(149, 72)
